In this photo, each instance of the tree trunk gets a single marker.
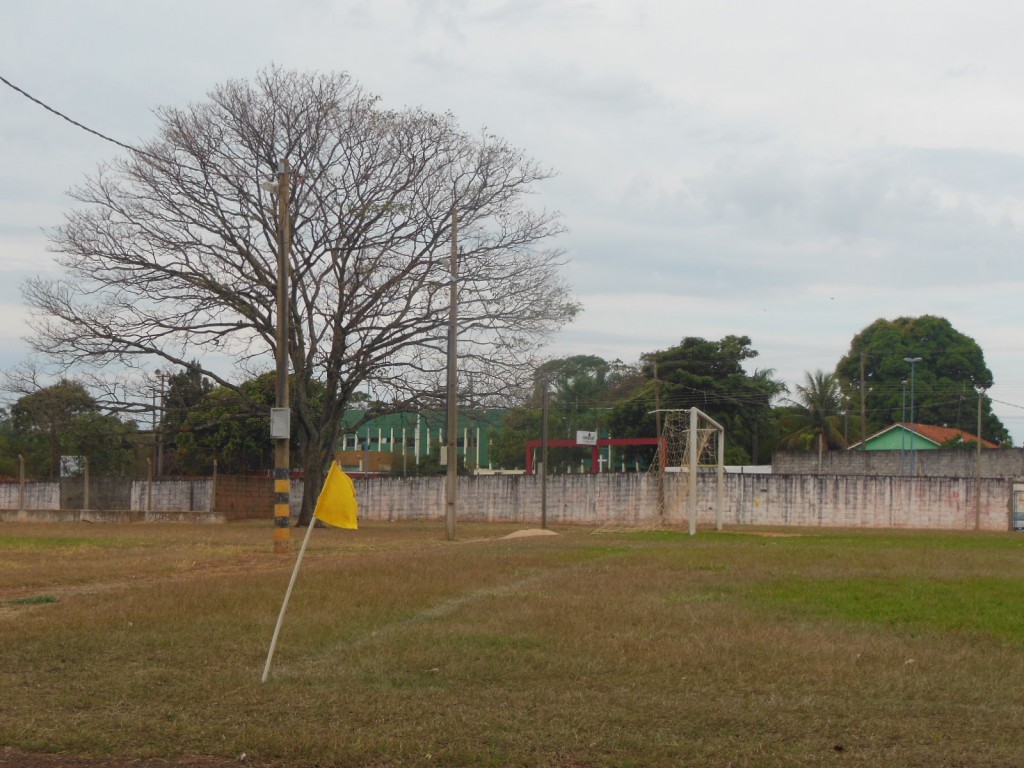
(312, 483)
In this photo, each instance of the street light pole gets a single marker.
(913, 449)
(903, 431)
(281, 431)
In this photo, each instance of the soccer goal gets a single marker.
(691, 442)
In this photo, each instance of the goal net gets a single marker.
(691, 442)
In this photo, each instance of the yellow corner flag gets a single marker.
(337, 503)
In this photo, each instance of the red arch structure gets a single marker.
(595, 465)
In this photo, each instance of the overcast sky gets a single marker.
(790, 171)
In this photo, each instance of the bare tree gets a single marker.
(171, 256)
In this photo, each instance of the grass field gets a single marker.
(590, 648)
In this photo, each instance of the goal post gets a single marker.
(691, 441)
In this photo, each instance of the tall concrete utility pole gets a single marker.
(280, 420)
(451, 483)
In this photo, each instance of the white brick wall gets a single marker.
(832, 501)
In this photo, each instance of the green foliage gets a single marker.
(230, 427)
(618, 400)
(65, 420)
(184, 391)
(9, 466)
(634, 418)
(946, 380)
(582, 393)
(709, 375)
(508, 445)
(35, 600)
(814, 419)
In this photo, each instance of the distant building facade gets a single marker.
(402, 440)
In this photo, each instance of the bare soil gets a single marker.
(13, 758)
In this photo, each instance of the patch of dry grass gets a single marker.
(623, 648)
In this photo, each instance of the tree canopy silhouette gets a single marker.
(171, 255)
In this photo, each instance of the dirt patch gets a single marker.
(530, 532)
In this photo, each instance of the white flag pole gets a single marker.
(287, 596)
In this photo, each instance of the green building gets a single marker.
(413, 436)
(903, 436)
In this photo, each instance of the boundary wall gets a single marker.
(631, 500)
(994, 462)
(118, 499)
(628, 500)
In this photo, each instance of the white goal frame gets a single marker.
(694, 443)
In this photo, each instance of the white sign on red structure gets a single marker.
(586, 438)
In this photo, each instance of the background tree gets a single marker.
(814, 419)
(582, 393)
(709, 375)
(521, 424)
(946, 381)
(633, 401)
(227, 428)
(9, 464)
(172, 252)
(181, 392)
(43, 420)
(577, 389)
(63, 419)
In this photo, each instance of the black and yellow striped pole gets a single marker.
(280, 420)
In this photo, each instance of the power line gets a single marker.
(75, 123)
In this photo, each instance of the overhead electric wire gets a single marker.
(75, 123)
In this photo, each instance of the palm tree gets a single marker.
(817, 414)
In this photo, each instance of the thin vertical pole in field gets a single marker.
(416, 441)
(451, 483)
(544, 454)
(21, 482)
(85, 484)
(863, 403)
(691, 481)
(721, 480)
(287, 597)
(661, 448)
(977, 469)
